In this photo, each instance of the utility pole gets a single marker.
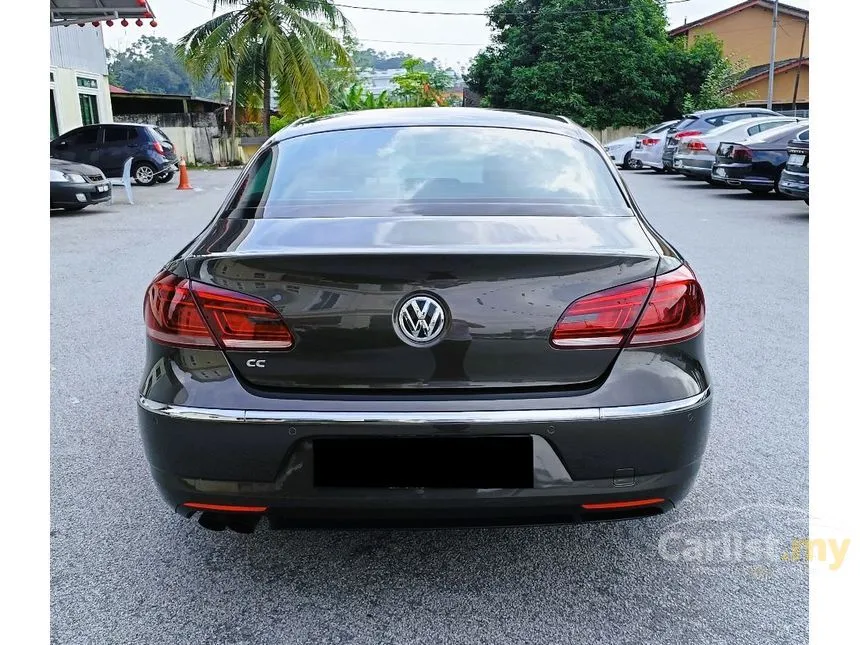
(234, 149)
(799, 61)
(772, 55)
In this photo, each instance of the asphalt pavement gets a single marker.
(124, 569)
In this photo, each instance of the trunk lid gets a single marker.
(798, 157)
(503, 283)
(166, 143)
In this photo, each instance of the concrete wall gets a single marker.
(611, 134)
(196, 136)
(78, 52)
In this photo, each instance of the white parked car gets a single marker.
(648, 146)
(696, 154)
(621, 150)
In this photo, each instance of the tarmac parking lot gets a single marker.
(124, 569)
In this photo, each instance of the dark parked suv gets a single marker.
(107, 146)
(703, 121)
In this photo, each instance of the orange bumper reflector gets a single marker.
(631, 504)
(222, 507)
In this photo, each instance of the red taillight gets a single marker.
(183, 313)
(675, 310)
(687, 133)
(672, 309)
(157, 146)
(741, 153)
(650, 142)
(696, 145)
(242, 322)
(172, 316)
(602, 319)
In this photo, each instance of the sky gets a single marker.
(420, 35)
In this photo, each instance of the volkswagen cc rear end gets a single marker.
(425, 317)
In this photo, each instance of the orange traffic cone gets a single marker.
(184, 184)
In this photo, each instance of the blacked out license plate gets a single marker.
(424, 462)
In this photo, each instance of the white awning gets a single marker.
(70, 12)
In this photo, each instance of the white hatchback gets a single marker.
(621, 150)
(648, 146)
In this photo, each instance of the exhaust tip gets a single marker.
(211, 521)
(244, 524)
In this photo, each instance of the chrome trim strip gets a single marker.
(421, 418)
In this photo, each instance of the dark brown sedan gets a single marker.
(425, 317)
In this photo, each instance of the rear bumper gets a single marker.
(794, 185)
(693, 165)
(668, 158)
(167, 165)
(580, 456)
(69, 194)
(738, 176)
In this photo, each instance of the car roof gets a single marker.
(736, 110)
(131, 125)
(107, 125)
(766, 118)
(432, 116)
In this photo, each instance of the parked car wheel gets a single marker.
(144, 173)
(628, 164)
(163, 179)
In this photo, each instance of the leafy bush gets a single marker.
(716, 90)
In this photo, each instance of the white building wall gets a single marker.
(78, 52)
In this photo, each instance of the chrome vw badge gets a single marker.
(419, 321)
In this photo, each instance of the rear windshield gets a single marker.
(159, 135)
(374, 170)
(654, 129)
(782, 133)
(686, 121)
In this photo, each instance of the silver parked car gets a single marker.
(621, 150)
(695, 155)
(648, 147)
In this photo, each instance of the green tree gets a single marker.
(603, 63)
(262, 44)
(417, 87)
(150, 65)
(717, 90)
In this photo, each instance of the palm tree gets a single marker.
(261, 42)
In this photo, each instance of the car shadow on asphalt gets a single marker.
(745, 195)
(59, 212)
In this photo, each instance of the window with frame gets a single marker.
(89, 108)
(55, 128)
(118, 134)
(88, 83)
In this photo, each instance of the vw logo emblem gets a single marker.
(419, 321)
